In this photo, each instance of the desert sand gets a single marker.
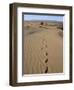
(43, 47)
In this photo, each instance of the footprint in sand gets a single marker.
(46, 60)
(46, 54)
(41, 48)
(44, 48)
(46, 70)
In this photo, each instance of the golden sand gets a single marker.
(43, 49)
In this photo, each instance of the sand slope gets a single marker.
(43, 50)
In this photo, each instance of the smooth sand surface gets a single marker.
(43, 50)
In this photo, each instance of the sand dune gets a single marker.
(43, 48)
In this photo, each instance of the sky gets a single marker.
(30, 17)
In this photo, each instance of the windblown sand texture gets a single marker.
(43, 47)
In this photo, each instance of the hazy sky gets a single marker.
(43, 17)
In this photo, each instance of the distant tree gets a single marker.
(60, 26)
(41, 23)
